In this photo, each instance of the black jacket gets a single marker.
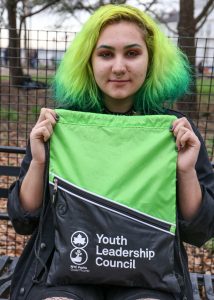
(195, 232)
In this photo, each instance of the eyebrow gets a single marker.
(126, 47)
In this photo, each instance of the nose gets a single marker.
(119, 67)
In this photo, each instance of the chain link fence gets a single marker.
(25, 87)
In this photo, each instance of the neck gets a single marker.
(129, 112)
(119, 106)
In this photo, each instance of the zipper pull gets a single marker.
(54, 190)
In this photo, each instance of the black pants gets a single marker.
(92, 292)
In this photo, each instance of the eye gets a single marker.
(132, 53)
(105, 54)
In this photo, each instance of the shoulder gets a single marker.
(176, 113)
(179, 114)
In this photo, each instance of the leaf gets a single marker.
(79, 240)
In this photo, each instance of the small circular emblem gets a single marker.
(78, 256)
(79, 239)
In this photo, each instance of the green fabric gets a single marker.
(128, 159)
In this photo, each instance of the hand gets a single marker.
(41, 133)
(188, 145)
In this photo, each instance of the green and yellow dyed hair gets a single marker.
(168, 74)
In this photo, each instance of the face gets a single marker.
(119, 63)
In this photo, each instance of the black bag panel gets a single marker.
(96, 244)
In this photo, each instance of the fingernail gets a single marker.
(57, 117)
(171, 128)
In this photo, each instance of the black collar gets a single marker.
(129, 112)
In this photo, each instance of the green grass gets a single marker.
(4, 78)
(210, 246)
(48, 79)
(38, 77)
(205, 85)
(11, 115)
(209, 146)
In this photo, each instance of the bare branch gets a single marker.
(202, 23)
(205, 11)
(30, 14)
(2, 11)
(147, 7)
(1, 17)
(40, 10)
(161, 20)
(65, 6)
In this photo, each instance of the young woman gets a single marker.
(121, 64)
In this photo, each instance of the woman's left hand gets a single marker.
(187, 143)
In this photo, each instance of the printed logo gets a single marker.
(78, 256)
(79, 239)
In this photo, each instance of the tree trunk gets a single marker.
(186, 32)
(14, 52)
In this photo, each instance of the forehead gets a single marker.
(123, 30)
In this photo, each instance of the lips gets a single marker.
(118, 81)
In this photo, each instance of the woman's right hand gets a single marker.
(41, 133)
(31, 190)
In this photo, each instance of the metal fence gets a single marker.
(20, 103)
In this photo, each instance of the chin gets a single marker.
(119, 97)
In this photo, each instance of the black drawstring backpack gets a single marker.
(112, 182)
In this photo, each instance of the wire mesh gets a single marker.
(199, 102)
(25, 82)
(10, 242)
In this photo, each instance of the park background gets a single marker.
(34, 35)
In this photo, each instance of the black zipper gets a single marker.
(55, 188)
(181, 261)
(106, 203)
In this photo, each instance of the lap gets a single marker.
(131, 293)
(58, 298)
(74, 292)
(92, 292)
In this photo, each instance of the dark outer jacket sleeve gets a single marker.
(23, 222)
(201, 228)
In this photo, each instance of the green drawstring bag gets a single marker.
(112, 182)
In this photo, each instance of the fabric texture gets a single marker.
(58, 298)
(196, 231)
(115, 219)
(118, 157)
(96, 292)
